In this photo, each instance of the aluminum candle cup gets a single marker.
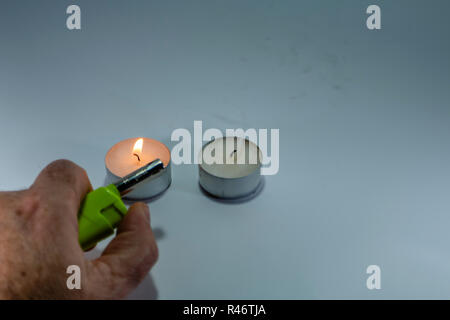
(230, 167)
(131, 154)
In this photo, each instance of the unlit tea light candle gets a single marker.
(129, 155)
(230, 167)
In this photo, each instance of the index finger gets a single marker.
(63, 181)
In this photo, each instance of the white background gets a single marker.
(364, 133)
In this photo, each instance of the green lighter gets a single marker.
(102, 209)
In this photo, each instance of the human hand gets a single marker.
(39, 240)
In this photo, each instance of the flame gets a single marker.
(137, 149)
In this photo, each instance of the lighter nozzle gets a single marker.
(127, 183)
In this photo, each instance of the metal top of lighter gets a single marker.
(129, 182)
(102, 209)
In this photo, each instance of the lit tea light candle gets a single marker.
(230, 168)
(131, 154)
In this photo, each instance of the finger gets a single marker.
(63, 181)
(131, 254)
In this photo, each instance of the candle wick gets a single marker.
(135, 154)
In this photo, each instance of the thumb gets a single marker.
(129, 256)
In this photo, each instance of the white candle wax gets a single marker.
(230, 167)
(129, 155)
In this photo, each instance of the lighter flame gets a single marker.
(137, 149)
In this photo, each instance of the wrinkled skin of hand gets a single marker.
(39, 240)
